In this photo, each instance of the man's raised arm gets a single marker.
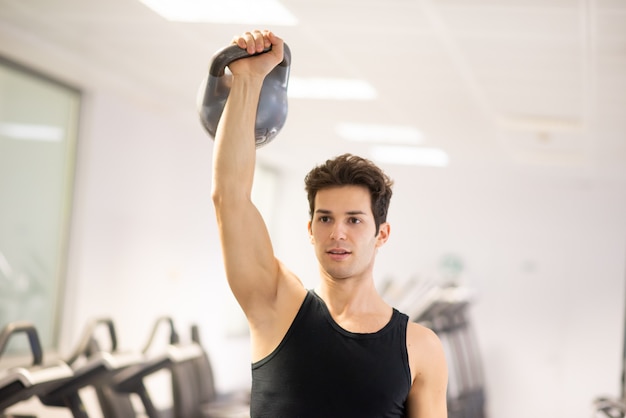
(251, 267)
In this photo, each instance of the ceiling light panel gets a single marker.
(253, 12)
(405, 155)
(330, 89)
(379, 133)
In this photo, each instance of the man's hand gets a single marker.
(256, 42)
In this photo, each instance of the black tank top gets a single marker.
(320, 370)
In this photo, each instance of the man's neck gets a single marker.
(355, 304)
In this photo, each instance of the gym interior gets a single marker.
(501, 123)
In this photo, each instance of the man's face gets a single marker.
(343, 231)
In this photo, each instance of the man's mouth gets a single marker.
(338, 253)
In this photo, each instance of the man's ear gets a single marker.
(308, 227)
(383, 234)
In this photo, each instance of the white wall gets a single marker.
(545, 253)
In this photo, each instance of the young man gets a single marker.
(338, 351)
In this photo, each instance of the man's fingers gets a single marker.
(256, 41)
(259, 41)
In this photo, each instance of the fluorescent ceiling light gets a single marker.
(369, 132)
(330, 89)
(431, 157)
(247, 12)
(29, 132)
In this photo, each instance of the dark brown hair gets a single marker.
(348, 169)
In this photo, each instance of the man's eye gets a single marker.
(355, 220)
(324, 219)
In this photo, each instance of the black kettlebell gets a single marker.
(272, 109)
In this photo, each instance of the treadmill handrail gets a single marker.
(33, 338)
(174, 339)
(84, 343)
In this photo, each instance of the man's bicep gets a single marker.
(427, 401)
(428, 395)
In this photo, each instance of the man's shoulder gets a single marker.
(426, 352)
(421, 337)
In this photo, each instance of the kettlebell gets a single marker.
(272, 109)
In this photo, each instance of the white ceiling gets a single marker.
(533, 83)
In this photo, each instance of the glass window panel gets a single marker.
(38, 129)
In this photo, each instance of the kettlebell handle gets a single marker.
(222, 58)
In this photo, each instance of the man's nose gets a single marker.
(338, 232)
